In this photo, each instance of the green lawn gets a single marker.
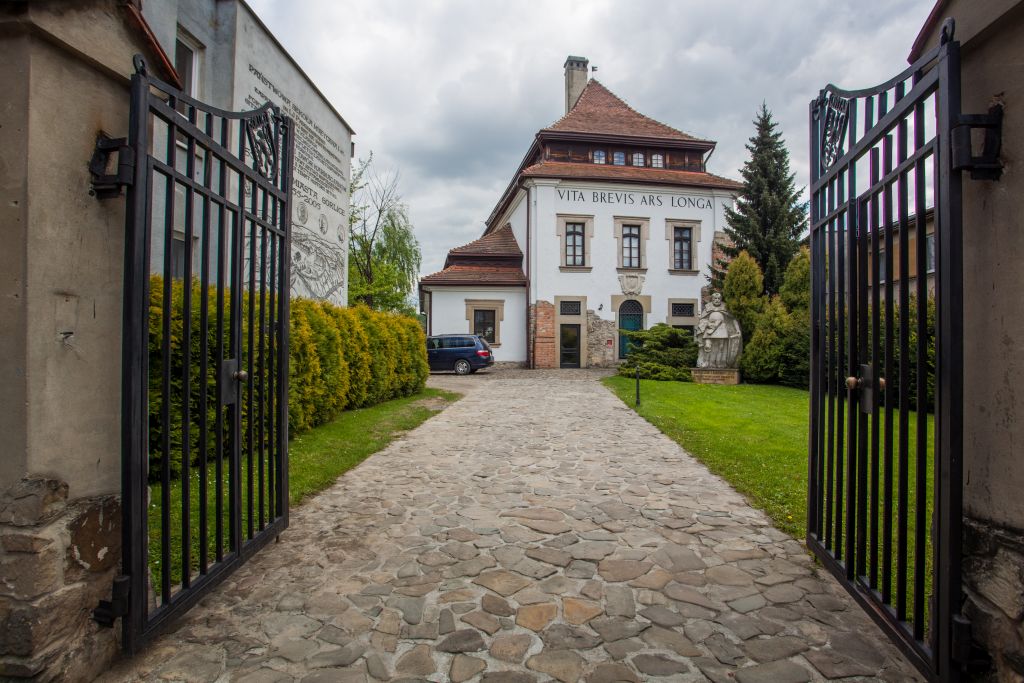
(755, 437)
(316, 459)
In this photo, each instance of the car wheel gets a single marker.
(462, 367)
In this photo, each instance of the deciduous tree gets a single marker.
(384, 254)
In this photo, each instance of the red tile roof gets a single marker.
(661, 176)
(498, 243)
(472, 274)
(599, 111)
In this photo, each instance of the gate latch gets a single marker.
(108, 185)
(987, 166)
(109, 610)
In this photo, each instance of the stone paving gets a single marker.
(536, 530)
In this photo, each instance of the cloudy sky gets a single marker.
(451, 93)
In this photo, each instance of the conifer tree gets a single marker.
(769, 217)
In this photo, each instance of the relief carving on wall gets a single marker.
(632, 283)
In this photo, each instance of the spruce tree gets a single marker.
(769, 217)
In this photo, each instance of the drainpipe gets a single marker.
(530, 340)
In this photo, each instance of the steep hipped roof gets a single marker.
(498, 243)
(601, 112)
(471, 274)
(494, 259)
(659, 176)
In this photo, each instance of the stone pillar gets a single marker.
(57, 560)
(600, 341)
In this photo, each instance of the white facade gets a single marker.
(450, 314)
(659, 209)
(228, 58)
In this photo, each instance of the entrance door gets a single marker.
(569, 345)
(631, 318)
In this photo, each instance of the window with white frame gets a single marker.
(657, 161)
(619, 158)
(599, 156)
(638, 158)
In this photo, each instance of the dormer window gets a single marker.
(638, 158)
(599, 156)
(619, 158)
(657, 161)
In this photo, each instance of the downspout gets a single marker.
(530, 339)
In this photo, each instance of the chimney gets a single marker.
(575, 79)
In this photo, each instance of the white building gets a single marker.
(225, 56)
(608, 223)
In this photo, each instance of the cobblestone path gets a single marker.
(536, 530)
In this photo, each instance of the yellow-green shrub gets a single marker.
(338, 358)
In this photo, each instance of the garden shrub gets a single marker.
(795, 291)
(742, 291)
(761, 361)
(662, 353)
(338, 358)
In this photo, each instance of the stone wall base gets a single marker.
(716, 375)
(994, 590)
(600, 342)
(58, 559)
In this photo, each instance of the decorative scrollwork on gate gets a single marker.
(835, 112)
(263, 142)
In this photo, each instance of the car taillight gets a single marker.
(483, 353)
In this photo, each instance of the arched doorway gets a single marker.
(631, 317)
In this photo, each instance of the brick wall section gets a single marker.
(542, 316)
(58, 558)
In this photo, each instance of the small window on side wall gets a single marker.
(483, 324)
(599, 156)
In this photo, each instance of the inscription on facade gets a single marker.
(634, 199)
(320, 188)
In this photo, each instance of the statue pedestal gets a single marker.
(716, 375)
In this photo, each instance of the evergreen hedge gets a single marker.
(339, 358)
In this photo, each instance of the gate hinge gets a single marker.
(987, 166)
(961, 640)
(108, 185)
(109, 610)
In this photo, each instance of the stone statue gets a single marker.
(718, 336)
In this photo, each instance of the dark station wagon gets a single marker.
(463, 353)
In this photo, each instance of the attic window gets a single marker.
(657, 161)
(638, 158)
(619, 158)
(599, 156)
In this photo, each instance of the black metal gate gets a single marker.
(884, 504)
(205, 379)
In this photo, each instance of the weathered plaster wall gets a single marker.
(992, 37)
(66, 67)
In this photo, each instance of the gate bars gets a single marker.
(205, 348)
(884, 498)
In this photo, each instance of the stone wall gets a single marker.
(600, 342)
(57, 559)
(542, 335)
(993, 577)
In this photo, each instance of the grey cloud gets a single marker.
(452, 92)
